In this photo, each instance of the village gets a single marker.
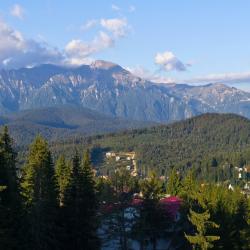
(117, 160)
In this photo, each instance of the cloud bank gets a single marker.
(78, 51)
(16, 51)
(242, 77)
(117, 26)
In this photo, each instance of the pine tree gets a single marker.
(200, 240)
(153, 220)
(81, 206)
(9, 194)
(190, 191)
(63, 174)
(38, 191)
(240, 233)
(117, 224)
(174, 183)
(151, 188)
(90, 209)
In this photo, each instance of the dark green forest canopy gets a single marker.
(193, 142)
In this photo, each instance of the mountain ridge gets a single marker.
(112, 90)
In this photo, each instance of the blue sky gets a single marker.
(181, 41)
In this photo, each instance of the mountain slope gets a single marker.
(112, 90)
(193, 142)
(62, 122)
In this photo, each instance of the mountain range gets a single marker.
(112, 90)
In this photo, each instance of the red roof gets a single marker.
(171, 204)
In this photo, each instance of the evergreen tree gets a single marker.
(63, 174)
(200, 240)
(153, 220)
(38, 191)
(174, 183)
(81, 206)
(90, 200)
(9, 194)
(240, 233)
(117, 224)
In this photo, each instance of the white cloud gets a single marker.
(147, 75)
(79, 51)
(89, 24)
(117, 26)
(115, 7)
(241, 77)
(168, 62)
(17, 11)
(16, 51)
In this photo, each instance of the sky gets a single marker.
(195, 42)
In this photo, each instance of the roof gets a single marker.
(171, 204)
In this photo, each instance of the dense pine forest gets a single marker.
(59, 201)
(213, 145)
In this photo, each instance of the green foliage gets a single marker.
(63, 174)
(39, 195)
(121, 180)
(191, 143)
(105, 190)
(226, 208)
(10, 207)
(202, 224)
(38, 182)
(174, 183)
(152, 220)
(73, 225)
(151, 187)
(80, 206)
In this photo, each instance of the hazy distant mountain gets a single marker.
(62, 122)
(112, 90)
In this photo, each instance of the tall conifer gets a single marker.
(38, 191)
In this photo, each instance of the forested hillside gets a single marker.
(197, 142)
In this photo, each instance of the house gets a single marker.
(110, 154)
(172, 206)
